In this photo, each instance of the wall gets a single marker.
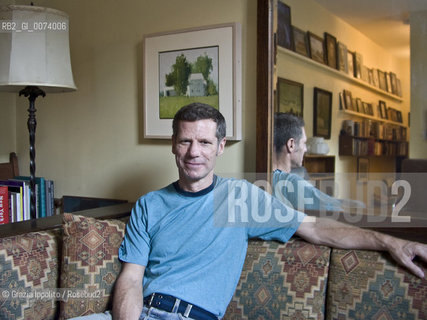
(418, 143)
(309, 16)
(90, 142)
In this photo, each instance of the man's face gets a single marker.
(195, 148)
(299, 150)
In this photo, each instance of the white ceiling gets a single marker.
(386, 22)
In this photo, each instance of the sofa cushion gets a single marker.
(29, 264)
(281, 281)
(369, 285)
(89, 263)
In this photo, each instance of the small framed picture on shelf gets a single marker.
(362, 169)
(393, 80)
(375, 80)
(315, 45)
(300, 41)
(348, 100)
(383, 109)
(322, 115)
(382, 80)
(284, 29)
(290, 97)
(399, 116)
(388, 82)
(342, 63)
(331, 50)
(398, 87)
(350, 63)
(359, 105)
(358, 63)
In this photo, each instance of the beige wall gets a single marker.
(90, 141)
(418, 143)
(309, 16)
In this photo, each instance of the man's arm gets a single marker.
(343, 236)
(128, 299)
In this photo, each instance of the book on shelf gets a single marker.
(4, 205)
(19, 198)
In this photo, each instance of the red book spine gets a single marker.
(4, 205)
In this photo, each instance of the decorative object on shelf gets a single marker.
(342, 57)
(178, 52)
(362, 169)
(331, 50)
(35, 59)
(300, 41)
(316, 48)
(284, 28)
(290, 97)
(317, 145)
(322, 114)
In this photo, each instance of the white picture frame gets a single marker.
(227, 37)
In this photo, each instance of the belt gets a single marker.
(171, 304)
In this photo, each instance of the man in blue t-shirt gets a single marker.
(185, 244)
(288, 153)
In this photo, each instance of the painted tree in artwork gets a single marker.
(178, 78)
(203, 65)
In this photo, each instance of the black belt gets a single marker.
(171, 304)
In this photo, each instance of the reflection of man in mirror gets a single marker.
(289, 148)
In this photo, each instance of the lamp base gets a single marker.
(32, 93)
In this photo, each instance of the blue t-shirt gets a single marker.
(194, 244)
(300, 194)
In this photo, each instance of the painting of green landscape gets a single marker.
(187, 76)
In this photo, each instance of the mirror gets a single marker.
(269, 69)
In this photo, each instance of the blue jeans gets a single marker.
(147, 314)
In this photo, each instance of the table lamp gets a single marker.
(34, 59)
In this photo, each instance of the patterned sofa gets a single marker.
(296, 280)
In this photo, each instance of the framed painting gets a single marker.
(300, 41)
(192, 65)
(322, 114)
(290, 97)
(315, 45)
(331, 50)
(284, 27)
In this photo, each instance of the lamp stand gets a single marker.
(32, 93)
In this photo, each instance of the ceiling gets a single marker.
(386, 22)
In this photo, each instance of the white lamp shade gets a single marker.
(36, 52)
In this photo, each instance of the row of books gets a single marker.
(15, 199)
(374, 129)
(371, 147)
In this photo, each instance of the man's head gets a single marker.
(198, 138)
(289, 137)
(200, 111)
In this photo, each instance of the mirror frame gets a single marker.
(265, 84)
